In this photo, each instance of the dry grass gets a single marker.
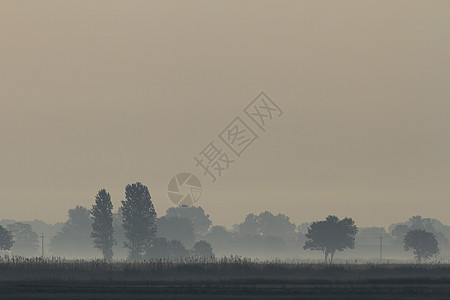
(226, 268)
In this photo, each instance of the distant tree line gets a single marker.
(188, 232)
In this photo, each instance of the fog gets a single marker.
(261, 236)
(100, 94)
(224, 149)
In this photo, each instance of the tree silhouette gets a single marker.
(176, 228)
(399, 232)
(26, 241)
(423, 243)
(139, 217)
(74, 238)
(427, 224)
(177, 250)
(331, 235)
(267, 224)
(159, 249)
(199, 219)
(221, 240)
(6, 239)
(203, 249)
(102, 227)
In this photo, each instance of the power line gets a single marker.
(381, 247)
(42, 238)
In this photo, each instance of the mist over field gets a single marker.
(262, 236)
(224, 149)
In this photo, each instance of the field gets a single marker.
(226, 278)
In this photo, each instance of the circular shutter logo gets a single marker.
(184, 189)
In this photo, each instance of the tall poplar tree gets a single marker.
(139, 218)
(102, 227)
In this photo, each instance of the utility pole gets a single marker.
(381, 247)
(42, 238)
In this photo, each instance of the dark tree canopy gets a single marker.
(427, 224)
(177, 250)
(6, 239)
(331, 235)
(102, 226)
(26, 241)
(267, 224)
(199, 219)
(139, 218)
(160, 248)
(424, 244)
(203, 250)
(417, 222)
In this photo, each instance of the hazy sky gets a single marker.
(100, 94)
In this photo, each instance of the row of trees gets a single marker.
(139, 223)
(329, 236)
(334, 235)
(136, 227)
(21, 236)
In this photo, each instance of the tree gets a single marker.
(26, 241)
(427, 224)
(199, 219)
(250, 226)
(400, 231)
(417, 222)
(331, 235)
(6, 239)
(203, 250)
(267, 224)
(177, 250)
(102, 227)
(159, 249)
(139, 217)
(221, 240)
(176, 228)
(274, 235)
(74, 238)
(423, 243)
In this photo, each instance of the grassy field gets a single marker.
(226, 278)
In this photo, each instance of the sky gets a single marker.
(101, 94)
